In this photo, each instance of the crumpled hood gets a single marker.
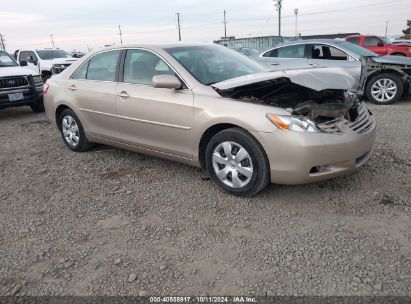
(393, 60)
(314, 78)
(16, 71)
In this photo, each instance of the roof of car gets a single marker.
(156, 46)
(309, 41)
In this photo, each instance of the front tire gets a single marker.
(72, 132)
(37, 107)
(385, 88)
(237, 163)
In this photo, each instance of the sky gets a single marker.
(90, 24)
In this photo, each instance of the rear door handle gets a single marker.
(274, 63)
(72, 88)
(314, 65)
(123, 94)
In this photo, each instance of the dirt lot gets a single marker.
(110, 222)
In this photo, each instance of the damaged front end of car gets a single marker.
(316, 100)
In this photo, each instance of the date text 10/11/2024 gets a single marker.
(202, 299)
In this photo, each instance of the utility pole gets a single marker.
(386, 29)
(278, 5)
(52, 41)
(121, 34)
(2, 45)
(179, 26)
(225, 24)
(296, 17)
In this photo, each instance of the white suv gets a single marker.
(46, 62)
(19, 86)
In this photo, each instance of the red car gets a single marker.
(380, 45)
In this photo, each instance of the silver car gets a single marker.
(383, 79)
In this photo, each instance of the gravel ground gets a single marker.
(111, 222)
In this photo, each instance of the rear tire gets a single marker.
(385, 88)
(37, 107)
(72, 132)
(237, 163)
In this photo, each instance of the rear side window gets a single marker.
(371, 41)
(141, 66)
(81, 73)
(272, 53)
(355, 40)
(291, 51)
(101, 67)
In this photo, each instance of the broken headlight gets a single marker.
(293, 123)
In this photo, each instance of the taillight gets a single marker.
(45, 88)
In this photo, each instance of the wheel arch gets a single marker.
(207, 135)
(383, 71)
(58, 112)
(397, 54)
(213, 130)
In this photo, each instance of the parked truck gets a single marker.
(46, 62)
(380, 45)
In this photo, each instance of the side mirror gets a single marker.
(380, 43)
(23, 63)
(166, 82)
(35, 62)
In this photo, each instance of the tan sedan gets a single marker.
(210, 107)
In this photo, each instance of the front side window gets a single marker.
(28, 56)
(6, 60)
(327, 52)
(355, 40)
(212, 64)
(103, 66)
(141, 66)
(371, 41)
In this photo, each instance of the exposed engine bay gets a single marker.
(319, 106)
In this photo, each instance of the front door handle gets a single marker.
(314, 65)
(123, 94)
(72, 88)
(274, 63)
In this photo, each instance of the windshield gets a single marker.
(52, 54)
(356, 49)
(6, 60)
(212, 64)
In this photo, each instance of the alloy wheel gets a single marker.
(383, 90)
(232, 164)
(70, 131)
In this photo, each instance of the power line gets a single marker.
(179, 26)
